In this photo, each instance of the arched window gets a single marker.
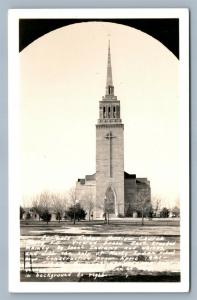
(104, 115)
(109, 90)
(114, 111)
(108, 111)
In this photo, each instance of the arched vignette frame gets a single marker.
(164, 30)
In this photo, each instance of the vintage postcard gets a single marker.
(99, 150)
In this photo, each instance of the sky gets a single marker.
(63, 76)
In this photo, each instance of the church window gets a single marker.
(109, 112)
(114, 111)
(104, 112)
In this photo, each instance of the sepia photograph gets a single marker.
(99, 150)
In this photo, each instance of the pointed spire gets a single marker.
(109, 82)
(109, 68)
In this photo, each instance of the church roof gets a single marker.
(81, 180)
(129, 176)
(90, 177)
(142, 182)
(87, 178)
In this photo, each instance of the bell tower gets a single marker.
(109, 151)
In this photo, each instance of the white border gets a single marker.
(14, 158)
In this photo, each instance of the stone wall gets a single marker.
(130, 196)
(103, 178)
(86, 195)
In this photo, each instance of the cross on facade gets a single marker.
(109, 137)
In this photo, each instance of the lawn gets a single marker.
(124, 250)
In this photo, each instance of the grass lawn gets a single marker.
(98, 227)
(124, 250)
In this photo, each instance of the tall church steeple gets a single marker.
(109, 150)
(109, 107)
(109, 81)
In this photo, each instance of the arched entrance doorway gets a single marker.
(109, 201)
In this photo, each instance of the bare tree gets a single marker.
(36, 205)
(73, 201)
(45, 200)
(156, 202)
(41, 203)
(143, 202)
(88, 203)
(58, 203)
(90, 206)
(71, 196)
(45, 204)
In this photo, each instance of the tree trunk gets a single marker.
(142, 216)
(74, 218)
(105, 220)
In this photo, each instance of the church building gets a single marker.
(111, 189)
